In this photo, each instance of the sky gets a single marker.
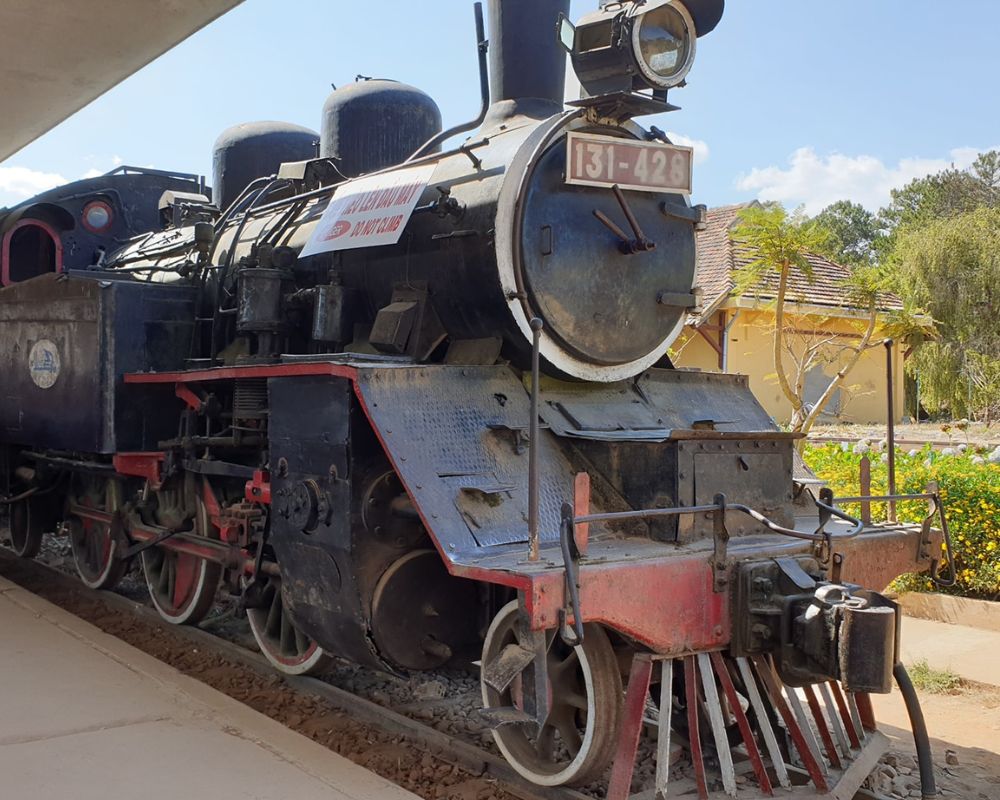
(800, 101)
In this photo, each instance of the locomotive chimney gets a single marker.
(526, 60)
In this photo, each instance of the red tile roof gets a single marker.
(719, 259)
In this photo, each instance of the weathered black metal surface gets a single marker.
(706, 14)
(457, 436)
(421, 617)
(374, 124)
(604, 305)
(310, 432)
(345, 534)
(253, 150)
(868, 645)
(131, 194)
(526, 60)
(66, 344)
(654, 407)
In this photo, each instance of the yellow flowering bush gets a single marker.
(970, 489)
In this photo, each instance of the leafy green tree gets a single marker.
(778, 243)
(945, 194)
(856, 234)
(951, 266)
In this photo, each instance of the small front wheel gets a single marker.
(577, 742)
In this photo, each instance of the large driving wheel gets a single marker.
(282, 643)
(95, 549)
(577, 741)
(26, 528)
(183, 586)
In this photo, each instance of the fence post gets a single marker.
(866, 489)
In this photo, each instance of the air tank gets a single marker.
(374, 124)
(253, 150)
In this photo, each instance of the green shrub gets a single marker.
(971, 494)
(934, 681)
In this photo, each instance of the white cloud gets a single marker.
(20, 183)
(701, 149)
(816, 181)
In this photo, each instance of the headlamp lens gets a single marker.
(664, 42)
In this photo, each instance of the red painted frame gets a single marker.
(669, 603)
(52, 233)
(141, 465)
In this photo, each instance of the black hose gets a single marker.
(928, 787)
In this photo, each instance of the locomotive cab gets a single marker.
(31, 246)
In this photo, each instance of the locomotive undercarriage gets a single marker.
(650, 605)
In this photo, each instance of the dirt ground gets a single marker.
(977, 433)
(965, 730)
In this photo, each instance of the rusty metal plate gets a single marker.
(654, 407)
(458, 438)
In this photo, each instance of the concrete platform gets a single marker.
(85, 716)
(971, 653)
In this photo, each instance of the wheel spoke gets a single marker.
(566, 725)
(272, 626)
(90, 550)
(570, 661)
(287, 636)
(545, 744)
(301, 642)
(162, 576)
(585, 687)
(170, 563)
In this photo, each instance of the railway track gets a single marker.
(411, 753)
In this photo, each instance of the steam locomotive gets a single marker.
(409, 403)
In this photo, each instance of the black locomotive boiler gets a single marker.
(409, 402)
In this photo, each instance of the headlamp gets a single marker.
(632, 46)
(663, 45)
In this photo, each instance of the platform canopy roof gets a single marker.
(56, 56)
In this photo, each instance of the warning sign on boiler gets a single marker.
(370, 212)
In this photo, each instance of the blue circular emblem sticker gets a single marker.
(43, 364)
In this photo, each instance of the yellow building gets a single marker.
(731, 333)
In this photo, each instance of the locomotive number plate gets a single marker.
(641, 166)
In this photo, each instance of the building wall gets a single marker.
(749, 352)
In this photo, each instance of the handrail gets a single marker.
(819, 536)
(826, 506)
(933, 496)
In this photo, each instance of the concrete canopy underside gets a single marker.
(57, 56)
